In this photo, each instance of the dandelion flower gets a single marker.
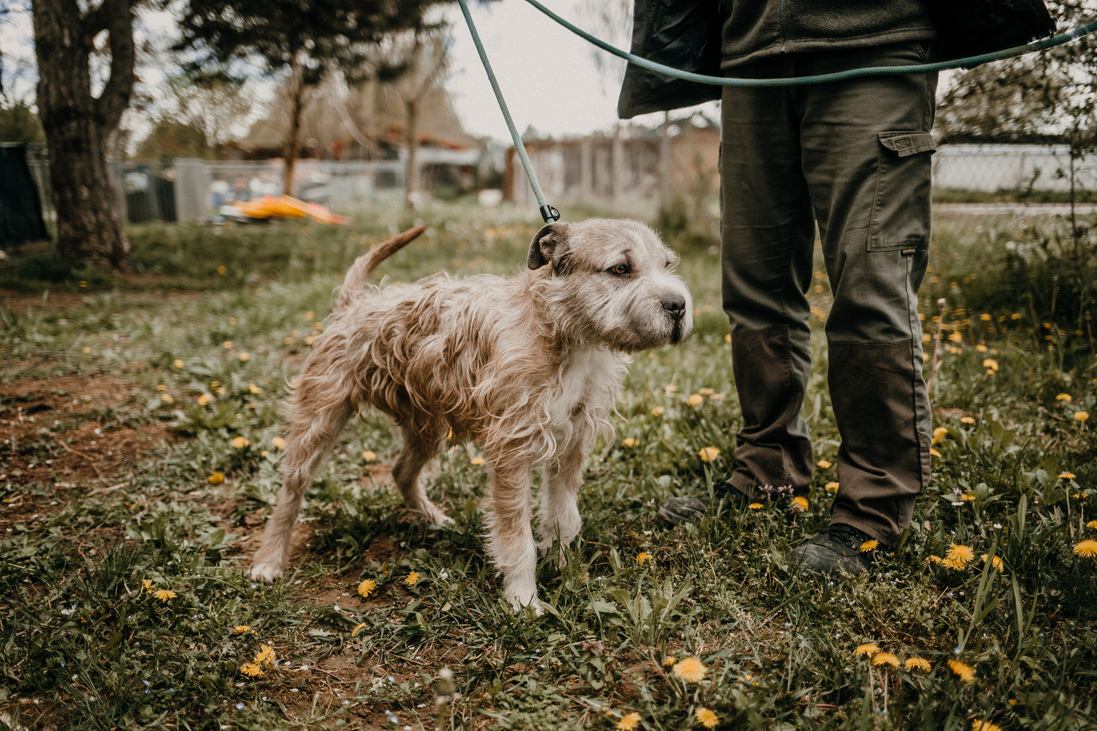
(985, 317)
(869, 649)
(939, 434)
(147, 586)
(1086, 549)
(952, 563)
(357, 628)
(254, 389)
(1064, 397)
(823, 464)
(657, 411)
(204, 399)
(967, 420)
(689, 669)
(167, 398)
(706, 391)
(1066, 475)
(716, 397)
(178, 363)
(1081, 416)
(960, 553)
(984, 726)
(369, 456)
(240, 442)
(227, 345)
(412, 579)
(241, 629)
(87, 351)
(934, 453)
(251, 670)
(967, 497)
(869, 546)
(643, 558)
(366, 588)
(628, 442)
(222, 270)
(265, 656)
(885, 658)
(696, 400)
(668, 661)
(278, 443)
(755, 506)
(629, 722)
(165, 594)
(709, 454)
(962, 670)
(917, 663)
(831, 487)
(799, 504)
(477, 461)
(670, 388)
(1092, 524)
(996, 562)
(706, 718)
(990, 364)
(216, 478)
(161, 387)
(244, 357)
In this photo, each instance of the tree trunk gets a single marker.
(78, 124)
(292, 145)
(411, 173)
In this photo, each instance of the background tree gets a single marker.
(428, 58)
(299, 41)
(78, 122)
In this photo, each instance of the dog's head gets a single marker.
(613, 281)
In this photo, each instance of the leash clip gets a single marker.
(549, 214)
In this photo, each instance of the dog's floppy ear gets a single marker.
(548, 245)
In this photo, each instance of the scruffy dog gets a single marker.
(528, 367)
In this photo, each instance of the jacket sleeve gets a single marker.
(683, 34)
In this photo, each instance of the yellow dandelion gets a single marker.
(164, 595)
(240, 442)
(241, 629)
(954, 564)
(1015, 316)
(166, 398)
(962, 670)
(985, 317)
(967, 497)
(956, 337)
(1092, 524)
(960, 553)
(689, 669)
(254, 389)
(369, 456)
(251, 670)
(178, 363)
(670, 388)
(147, 586)
(357, 628)
(868, 649)
(643, 558)
(244, 357)
(657, 411)
(1081, 416)
(831, 487)
(477, 461)
(755, 506)
(967, 420)
(227, 345)
(161, 387)
(265, 656)
(990, 364)
(1064, 397)
(934, 453)
(706, 391)
(412, 579)
(629, 722)
(668, 661)
(216, 478)
(1086, 548)
(716, 397)
(709, 454)
(366, 588)
(885, 658)
(869, 546)
(222, 270)
(996, 562)
(87, 351)
(727, 338)
(696, 400)
(278, 443)
(628, 442)
(204, 399)
(939, 434)
(799, 504)
(706, 718)
(1066, 475)
(981, 348)
(823, 464)
(984, 726)
(917, 663)
(934, 559)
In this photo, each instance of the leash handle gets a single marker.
(548, 213)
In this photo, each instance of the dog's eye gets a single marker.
(620, 270)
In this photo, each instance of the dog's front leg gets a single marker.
(510, 536)
(559, 514)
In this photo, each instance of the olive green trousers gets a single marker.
(853, 160)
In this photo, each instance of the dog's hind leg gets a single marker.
(421, 444)
(313, 428)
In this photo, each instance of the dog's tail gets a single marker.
(365, 264)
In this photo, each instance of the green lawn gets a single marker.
(140, 419)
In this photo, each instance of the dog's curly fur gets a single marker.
(528, 367)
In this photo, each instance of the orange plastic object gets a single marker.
(271, 206)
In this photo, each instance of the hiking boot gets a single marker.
(836, 549)
(680, 510)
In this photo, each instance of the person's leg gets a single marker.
(867, 147)
(768, 233)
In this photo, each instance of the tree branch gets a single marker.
(123, 56)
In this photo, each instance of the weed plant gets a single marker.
(124, 598)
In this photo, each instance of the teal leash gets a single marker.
(548, 213)
(823, 78)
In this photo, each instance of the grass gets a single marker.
(139, 421)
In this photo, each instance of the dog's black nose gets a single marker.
(675, 305)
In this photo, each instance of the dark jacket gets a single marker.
(712, 36)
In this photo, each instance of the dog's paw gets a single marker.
(265, 571)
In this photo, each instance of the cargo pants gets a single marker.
(852, 158)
